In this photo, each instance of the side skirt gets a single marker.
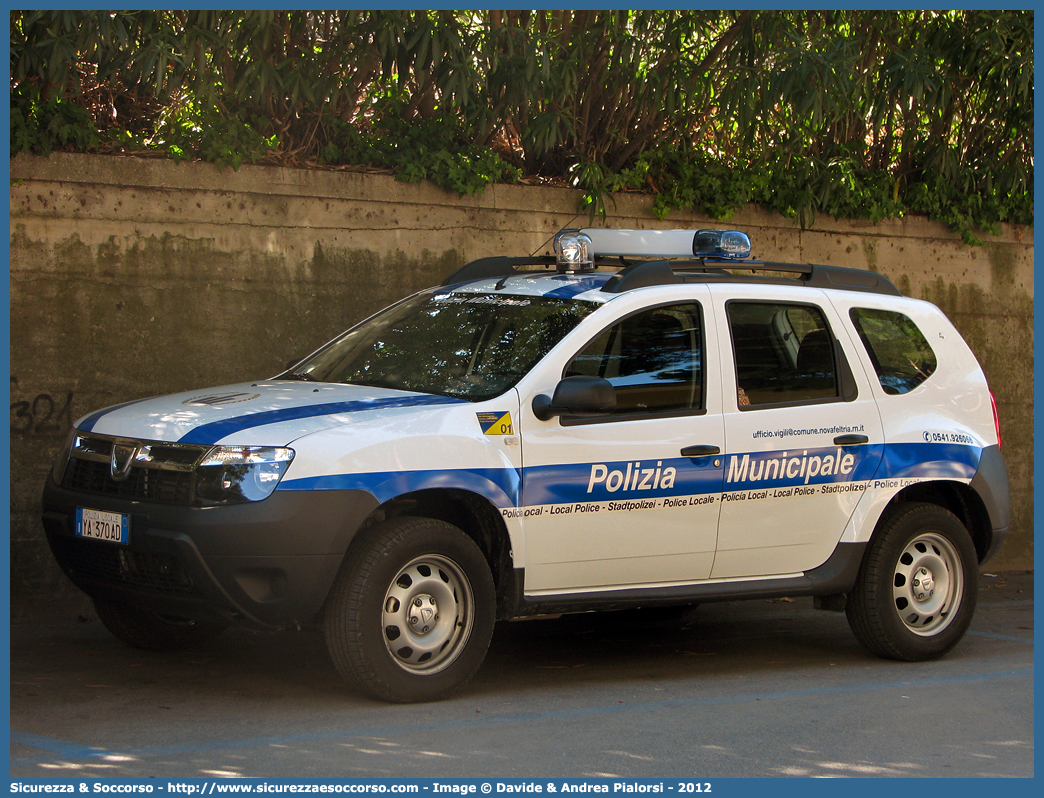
(835, 576)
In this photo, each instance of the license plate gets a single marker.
(100, 525)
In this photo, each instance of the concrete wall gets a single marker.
(133, 277)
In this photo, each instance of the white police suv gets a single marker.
(648, 418)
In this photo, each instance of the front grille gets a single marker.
(143, 484)
(103, 562)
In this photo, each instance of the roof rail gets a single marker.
(486, 268)
(640, 275)
(662, 272)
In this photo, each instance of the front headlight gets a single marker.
(233, 474)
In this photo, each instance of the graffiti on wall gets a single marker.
(43, 414)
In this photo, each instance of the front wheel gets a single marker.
(411, 614)
(917, 587)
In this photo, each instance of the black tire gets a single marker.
(411, 613)
(150, 631)
(917, 587)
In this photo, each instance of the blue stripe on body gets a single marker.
(568, 483)
(575, 288)
(502, 486)
(872, 461)
(945, 460)
(94, 418)
(216, 430)
(571, 483)
(867, 460)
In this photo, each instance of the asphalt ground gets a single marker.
(743, 689)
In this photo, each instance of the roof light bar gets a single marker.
(725, 244)
(728, 244)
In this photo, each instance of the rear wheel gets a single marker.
(152, 631)
(917, 587)
(411, 614)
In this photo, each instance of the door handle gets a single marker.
(850, 440)
(700, 451)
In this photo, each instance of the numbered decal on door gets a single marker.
(495, 423)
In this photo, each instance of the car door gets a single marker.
(803, 431)
(630, 497)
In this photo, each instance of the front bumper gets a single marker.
(267, 564)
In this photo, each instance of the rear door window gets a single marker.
(784, 354)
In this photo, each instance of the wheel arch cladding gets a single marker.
(473, 514)
(957, 497)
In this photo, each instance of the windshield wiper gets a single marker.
(299, 376)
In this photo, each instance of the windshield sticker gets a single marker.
(496, 423)
(481, 299)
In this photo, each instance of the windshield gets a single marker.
(469, 346)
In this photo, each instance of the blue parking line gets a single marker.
(1002, 637)
(71, 751)
(67, 750)
(993, 604)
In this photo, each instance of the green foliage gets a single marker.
(966, 212)
(434, 149)
(211, 136)
(598, 185)
(857, 114)
(688, 181)
(40, 125)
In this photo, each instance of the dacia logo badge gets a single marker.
(120, 462)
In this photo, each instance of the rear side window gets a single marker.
(784, 354)
(899, 351)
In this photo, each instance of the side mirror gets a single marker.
(579, 395)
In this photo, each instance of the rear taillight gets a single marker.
(996, 420)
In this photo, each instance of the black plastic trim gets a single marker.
(850, 440)
(836, 575)
(486, 268)
(662, 272)
(991, 484)
(296, 539)
(700, 450)
(641, 275)
(849, 387)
